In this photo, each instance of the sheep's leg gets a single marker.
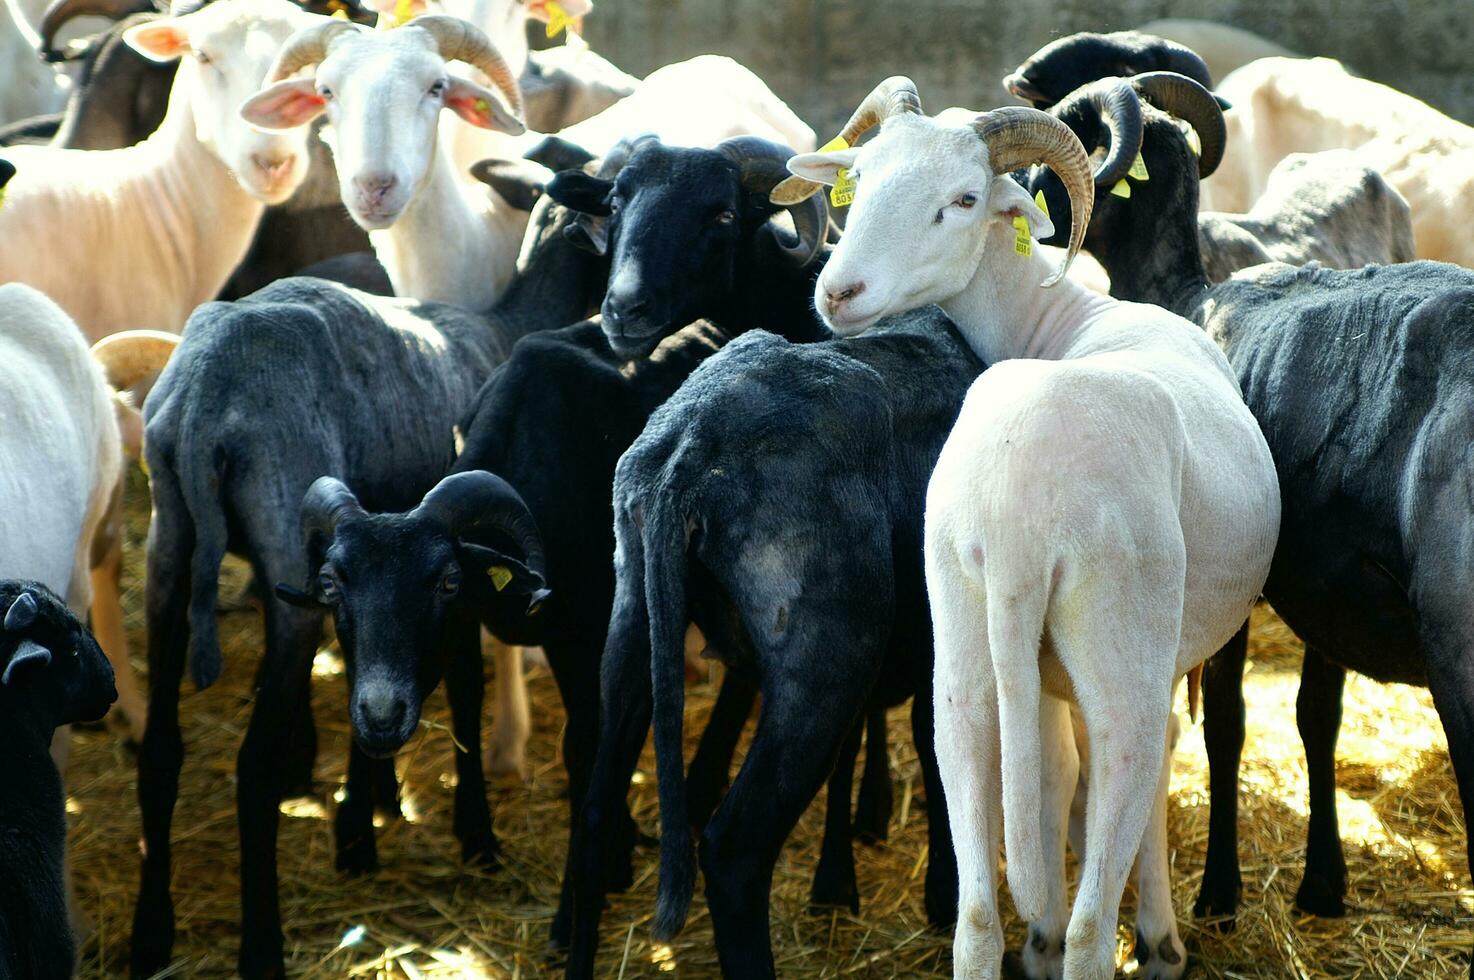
(834, 879)
(1045, 947)
(1126, 721)
(161, 755)
(128, 715)
(292, 636)
(941, 861)
(707, 778)
(511, 723)
(1223, 736)
(1322, 890)
(602, 811)
(1446, 635)
(965, 701)
(465, 687)
(1160, 954)
(301, 750)
(873, 810)
(793, 751)
(353, 824)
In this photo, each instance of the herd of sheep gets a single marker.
(426, 328)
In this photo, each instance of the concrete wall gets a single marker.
(822, 57)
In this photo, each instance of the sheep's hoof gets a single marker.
(481, 849)
(1163, 961)
(1322, 898)
(941, 899)
(1218, 901)
(358, 856)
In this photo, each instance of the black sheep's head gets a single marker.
(50, 664)
(398, 585)
(1066, 63)
(678, 224)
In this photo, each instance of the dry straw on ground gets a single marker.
(423, 915)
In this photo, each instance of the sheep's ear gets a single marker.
(480, 108)
(518, 182)
(1007, 199)
(505, 573)
(556, 153)
(158, 40)
(293, 596)
(26, 652)
(538, 9)
(822, 168)
(588, 198)
(288, 104)
(7, 171)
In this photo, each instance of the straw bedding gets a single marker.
(423, 915)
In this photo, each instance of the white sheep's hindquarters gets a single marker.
(1104, 488)
(159, 226)
(59, 455)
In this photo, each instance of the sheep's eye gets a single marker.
(325, 93)
(203, 59)
(327, 586)
(438, 89)
(966, 201)
(726, 217)
(451, 583)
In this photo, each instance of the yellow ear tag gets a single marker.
(404, 11)
(557, 18)
(843, 191)
(1138, 169)
(2, 197)
(1193, 143)
(1039, 200)
(500, 576)
(339, 14)
(1122, 189)
(483, 107)
(1022, 243)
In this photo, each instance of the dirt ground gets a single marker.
(423, 915)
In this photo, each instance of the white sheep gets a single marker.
(60, 460)
(1285, 105)
(138, 237)
(383, 92)
(1105, 490)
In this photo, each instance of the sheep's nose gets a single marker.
(274, 168)
(620, 306)
(835, 298)
(373, 187)
(380, 708)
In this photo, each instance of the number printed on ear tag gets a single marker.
(843, 191)
(1022, 243)
(500, 576)
(1138, 170)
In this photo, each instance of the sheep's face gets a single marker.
(924, 200)
(49, 662)
(382, 92)
(673, 222)
(402, 593)
(225, 50)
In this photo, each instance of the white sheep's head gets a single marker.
(927, 191)
(383, 92)
(225, 49)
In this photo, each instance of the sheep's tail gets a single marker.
(200, 486)
(665, 600)
(1016, 612)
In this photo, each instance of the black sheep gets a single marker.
(52, 673)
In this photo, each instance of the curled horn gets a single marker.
(1118, 107)
(458, 40)
(307, 47)
(1184, 98)
(128, 357)
(763, 165)
(895, 96)
(1185, 61)
(463, 502)
(328, 503)
(60, 12)
(1018, 137)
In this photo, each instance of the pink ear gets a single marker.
(538, 9)
(160, 40)
(285, 105)
(480, 108)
